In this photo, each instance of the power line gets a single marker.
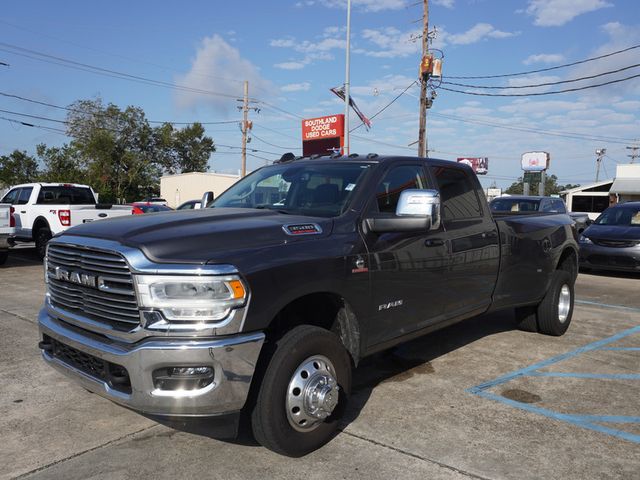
(77, 110)
(26, 124)
(39, 56)
(387, 105)
(536, 94)
(273, 144)
(578, 136)
(544, 84)
(279, 132)
(548, 68)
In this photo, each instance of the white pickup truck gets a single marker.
(7, 230)
(42, 210)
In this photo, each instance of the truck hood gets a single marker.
(204, 235)
(612, 232)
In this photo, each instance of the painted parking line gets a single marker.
(591, 422)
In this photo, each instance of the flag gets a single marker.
(339, 91)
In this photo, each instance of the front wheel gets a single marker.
(304, 392)
(42, 237)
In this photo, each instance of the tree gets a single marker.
(551, 187)
(117, 146)
(62, 164)
(17, 167)
(184, 150)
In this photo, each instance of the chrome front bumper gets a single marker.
(232, 358)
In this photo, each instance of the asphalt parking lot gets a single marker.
(476, 400)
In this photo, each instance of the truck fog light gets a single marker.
(183, 378)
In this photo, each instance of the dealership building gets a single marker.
(596, 197)
(177, 189)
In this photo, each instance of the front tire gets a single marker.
(556, 309)
(303, 393)
(42, 237)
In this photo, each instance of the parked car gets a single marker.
(45, 209)
(528, 204)
(190, 205)
(612, 242)
(148, 207)
(265, 301)
(154, 200)
(7, 230)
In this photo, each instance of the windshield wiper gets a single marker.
(268, 207)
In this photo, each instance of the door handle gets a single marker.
(434, 242)
(23, 211)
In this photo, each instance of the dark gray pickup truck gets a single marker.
(265, 301)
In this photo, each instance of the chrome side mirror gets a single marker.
(421, 204)
(207, 198)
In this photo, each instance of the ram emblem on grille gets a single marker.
(76, 277)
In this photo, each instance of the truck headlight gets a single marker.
(191, 298)
(585, 240)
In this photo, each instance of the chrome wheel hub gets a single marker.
(564, 303)
(312, 394)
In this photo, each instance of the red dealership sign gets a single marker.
(323, 127)
(322, 135)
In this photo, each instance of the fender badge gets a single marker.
(360, 266)
(302, 229)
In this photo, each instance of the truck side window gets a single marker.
(458, 196)
(25, 193)
(394, 182)
(11, 197)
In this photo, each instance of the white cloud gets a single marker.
(391, 43)
(296, 87)
(218, 67)
(555, 13)
(290, 65)
(544, 58)
(332, 38)
(479, 31)
(620, 37)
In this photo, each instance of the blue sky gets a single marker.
(292, 52)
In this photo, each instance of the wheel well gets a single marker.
(569, 262)
(325, 310)
(38, 224)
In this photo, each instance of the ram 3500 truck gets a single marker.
(263, 302)
(45, 209)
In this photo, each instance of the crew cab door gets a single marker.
(406, 268)
(473, 238)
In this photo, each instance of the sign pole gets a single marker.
(346, 82)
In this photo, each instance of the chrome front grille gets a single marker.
(92, 283)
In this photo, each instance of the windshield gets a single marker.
(514, 205)
(321, 190)
(621, 216)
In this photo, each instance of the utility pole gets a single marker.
(347, 108)
(634, 152)
(600, 153)
(245, 114)
(422, 129)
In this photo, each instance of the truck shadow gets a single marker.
(414, 358)
(398, 364)
(22, 256)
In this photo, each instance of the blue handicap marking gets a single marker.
(598, 423)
